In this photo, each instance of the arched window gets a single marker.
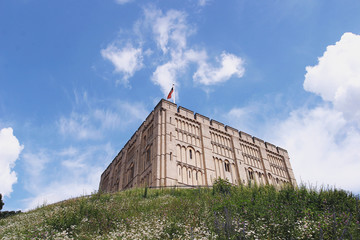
(190, 154)
(270, 178)
(251, 174)
(227, 166)
(261, 178)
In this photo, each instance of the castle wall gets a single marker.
(174, 146)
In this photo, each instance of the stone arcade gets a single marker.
(174, 146)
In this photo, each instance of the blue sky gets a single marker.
(71, 73)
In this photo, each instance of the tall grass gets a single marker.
(224, 212)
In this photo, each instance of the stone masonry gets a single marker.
(175, 147)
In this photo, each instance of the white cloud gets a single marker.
(171, 56)
(79, 126)
(203, 2)
(336, 77)
(127, 60)
(166, 75)
(10, 150)
(323, 142)
(107, 118)
(70, 172)
(170, 29)
(120, 116)
(70, 151)
(195, 56)
(230, 65)
(323, 147)
(94, 123)
(59, 191)
(244, 119)
(123, 1)
(133, 110)
(35, 163)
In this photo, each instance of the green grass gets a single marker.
(224, 212)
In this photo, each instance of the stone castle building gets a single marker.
(174, 146)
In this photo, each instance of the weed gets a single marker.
(225, 212)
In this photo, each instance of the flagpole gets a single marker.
(174, 92)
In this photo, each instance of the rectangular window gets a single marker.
(251, 175)
(227, 167)
(150, 131)
(148, 156)
(131, 173)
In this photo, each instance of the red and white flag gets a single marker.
(170, 93)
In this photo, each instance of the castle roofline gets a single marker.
(220, 126)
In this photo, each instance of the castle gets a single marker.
(175, 147)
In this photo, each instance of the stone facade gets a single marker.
(174, 146)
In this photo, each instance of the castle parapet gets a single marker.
(202, 118)
(232, 131)
(259, 142)
(217, 125)
(186, 112)
(271, 147)
(246, 137)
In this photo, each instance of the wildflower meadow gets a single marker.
(221, 212)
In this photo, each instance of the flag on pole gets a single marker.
(170, 93)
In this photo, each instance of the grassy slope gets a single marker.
(223, 213)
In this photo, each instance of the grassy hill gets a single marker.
(223, 212)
